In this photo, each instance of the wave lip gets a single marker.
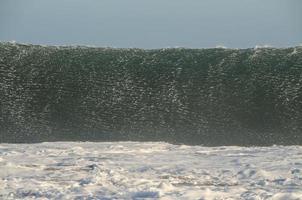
(194, 96)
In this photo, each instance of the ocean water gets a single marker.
(158, 124)
(190, 96)
(149, 170)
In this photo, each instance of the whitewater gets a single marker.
(148, 170)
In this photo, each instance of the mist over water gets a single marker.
(192, 96)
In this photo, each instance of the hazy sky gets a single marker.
(153, 23)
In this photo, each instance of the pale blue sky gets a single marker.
(153, 23)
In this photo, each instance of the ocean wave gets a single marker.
(194, 96)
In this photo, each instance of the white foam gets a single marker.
(263, 46)
(134, 170)
(220, 47)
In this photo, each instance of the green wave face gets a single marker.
(191, 96)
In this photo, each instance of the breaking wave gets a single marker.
(193, 96)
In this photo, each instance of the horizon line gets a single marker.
(13, 42)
